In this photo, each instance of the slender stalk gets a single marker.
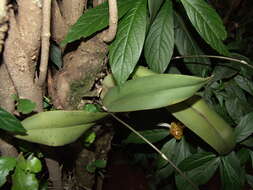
(45, 41)
(157, 150)
(215, 57)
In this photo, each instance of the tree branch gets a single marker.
(110, 34)
(46, 12)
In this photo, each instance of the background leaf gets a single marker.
(56, 55)
(208, 23)
(6, 165)
(199, 175)
(25, 106)
(159, 43)
(153, 136)
(244, 128)
(174, 150)
(93, 20)
(10, 123)
(154, 6)
(231, 172)
(127, 47)
(186, 45)
(196, 160)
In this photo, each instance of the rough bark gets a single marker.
(22, 49)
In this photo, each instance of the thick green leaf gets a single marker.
(153, 136)
(207, 22)
(94, 20)
(199, 175)
(25, 106)
(159, 43)
(207, 124)
(127, 47)
(176, 151)
(57, 128)
(231, 172)
(10, 123)
(196, 160)
(6, 165)
(154, 6)
(186, 45)
(152, 92)
(56, 55)
(245, 127)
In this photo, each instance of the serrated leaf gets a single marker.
(244, 128)
(248, 142)
(154, 6)
(196, 160)
(127, 47)
(94, 20)
(6, 165)
(186, 45)
(10, 123)
(207, 22)
(199, 175)
(56, 55)
(153, 136)
(152, 92)
(231, 172)
(159, 43)
(25, 106)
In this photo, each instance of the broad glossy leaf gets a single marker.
(6, 165)
(154, 6)
(199, 175)
(207, 22)
(231, 172)
(94, 20)
(34, 164)
(57, 128)
(10, 123)
(196, 160)
(244, 128)
(24, 180)
(159, 43)
(152, 92)
(25, 106)
(153, 136)
(127, 47)
(176, 151)
(186, 45)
